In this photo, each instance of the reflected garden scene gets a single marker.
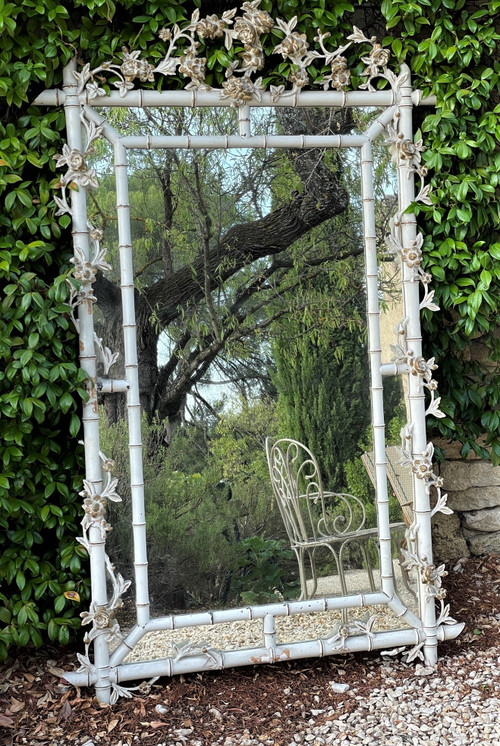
(253, 349)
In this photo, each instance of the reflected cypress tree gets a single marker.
(323, 383)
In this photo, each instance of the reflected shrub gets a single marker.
(197, 520)
(262, 571)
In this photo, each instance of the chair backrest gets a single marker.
(297, 486)
(308, 512)
(400, 478)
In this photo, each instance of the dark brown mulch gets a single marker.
(270, 702)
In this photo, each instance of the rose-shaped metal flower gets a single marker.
(132, 67)
(146, 72)
(210, 27)
(377, 59)
(76, 161)
(299, 77)
(419, 366)
(245, 31)
(253, 58)
(379, 56)
(340, 75)
(129, 69)
(294, 45)
(192, 66)
(78, 170)
(408, 149)
(261, 20)
(102, 618)
(241, 90)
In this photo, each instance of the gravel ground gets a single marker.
(457, 706)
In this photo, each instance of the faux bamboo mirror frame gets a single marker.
(84, 99)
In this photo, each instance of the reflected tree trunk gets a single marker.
(180, 290)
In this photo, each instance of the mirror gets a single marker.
(244, 254)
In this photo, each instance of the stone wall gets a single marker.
(473, 486)
(473, 489)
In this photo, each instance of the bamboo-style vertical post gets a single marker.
(269, 633)
(375, 356)
(411, 300)
(88, 361)
(244, 123)
(132, 376)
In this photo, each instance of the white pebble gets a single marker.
(339, 688)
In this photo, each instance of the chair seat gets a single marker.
(362, 533)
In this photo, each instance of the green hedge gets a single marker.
(450, 48)
(40, 463)
(453, 52)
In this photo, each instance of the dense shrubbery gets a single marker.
(450, 47)
(40, 391)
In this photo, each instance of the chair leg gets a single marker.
(369, 571)
(405, 577)
(312, 562)
(343, 584)
(340, 567)
(299, 553)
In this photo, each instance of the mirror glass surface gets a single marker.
(251, 323)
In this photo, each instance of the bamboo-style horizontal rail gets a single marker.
(248, 657)
(193, 98)
(225, 142)
(112, 385)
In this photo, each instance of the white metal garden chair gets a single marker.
(316, 518)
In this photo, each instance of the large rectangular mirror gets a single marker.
(247, 292)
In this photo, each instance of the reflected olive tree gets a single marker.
(224, 244)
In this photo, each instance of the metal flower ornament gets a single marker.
(241, 86)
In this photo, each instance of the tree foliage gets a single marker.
(451, 48)
(214, 242)
(323, 379)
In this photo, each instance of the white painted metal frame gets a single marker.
(107, 671)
